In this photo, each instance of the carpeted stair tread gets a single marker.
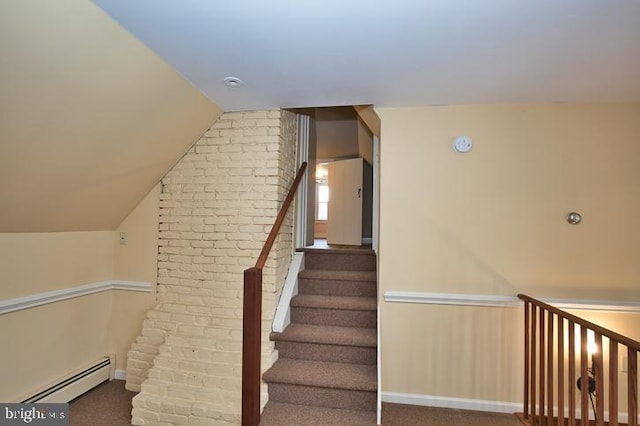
(321, 274)
(340, 260)
(329, 335)
(339, 251)
(331, 287)
(334, 302)
(279, 414)
(327, 371)
(323, 374)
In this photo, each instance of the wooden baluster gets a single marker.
(598, 374)
(537, 362)
(571, 327)
(534, 310)
(525, 407)
(584, 378)
(550, 368)
(633, 387)
(541, 361)
(613, 383)
(560, 371)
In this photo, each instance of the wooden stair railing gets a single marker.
(252, 317)
(544, 355)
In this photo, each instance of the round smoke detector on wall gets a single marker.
(462, 144)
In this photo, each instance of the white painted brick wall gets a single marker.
(216, 209)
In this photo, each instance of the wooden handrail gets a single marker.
(264, 254)
(252, 317)
(547, 355)
(633, 344)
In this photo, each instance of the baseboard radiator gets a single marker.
(74, 385)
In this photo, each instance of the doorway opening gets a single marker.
(339, 197)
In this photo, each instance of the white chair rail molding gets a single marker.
(25, 302)
(502, 301)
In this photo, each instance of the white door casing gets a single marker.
(301, 222)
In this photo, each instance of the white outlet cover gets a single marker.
(462, 144)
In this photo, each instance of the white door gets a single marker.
(344, 221)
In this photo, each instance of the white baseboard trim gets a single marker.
(500, 301)
(471, 404)
(19, 303)
(120, 375)
(449, 402)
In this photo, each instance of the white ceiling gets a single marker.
(394, 52)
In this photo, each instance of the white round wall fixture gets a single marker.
(233, 81)
(462, 144)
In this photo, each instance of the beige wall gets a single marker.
(493, 222)
(35, 263)
(49, 341)
(365, 141)
(98, 119)
(336, 132)
(46, 342)
(458, 352)
(135, 261)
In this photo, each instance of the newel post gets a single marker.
(251, 346)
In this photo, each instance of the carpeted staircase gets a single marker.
(326, 371)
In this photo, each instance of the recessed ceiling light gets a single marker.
(233, 81)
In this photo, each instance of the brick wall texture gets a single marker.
(216, 208)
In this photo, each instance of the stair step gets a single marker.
(365, 251)
(334, 302)
(330, 375)
(327, 353)
(337, 283)
(278, 414)
(327, 343)
(326, 372)
(334, 310)
(335, 317)
(322, 274)
(342, 260)
(323, 384)
(329, 335)
(322, 397)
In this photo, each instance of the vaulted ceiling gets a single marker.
(90, 118)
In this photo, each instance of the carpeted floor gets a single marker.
(403, 415)
(110, 404)
(107, 404)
